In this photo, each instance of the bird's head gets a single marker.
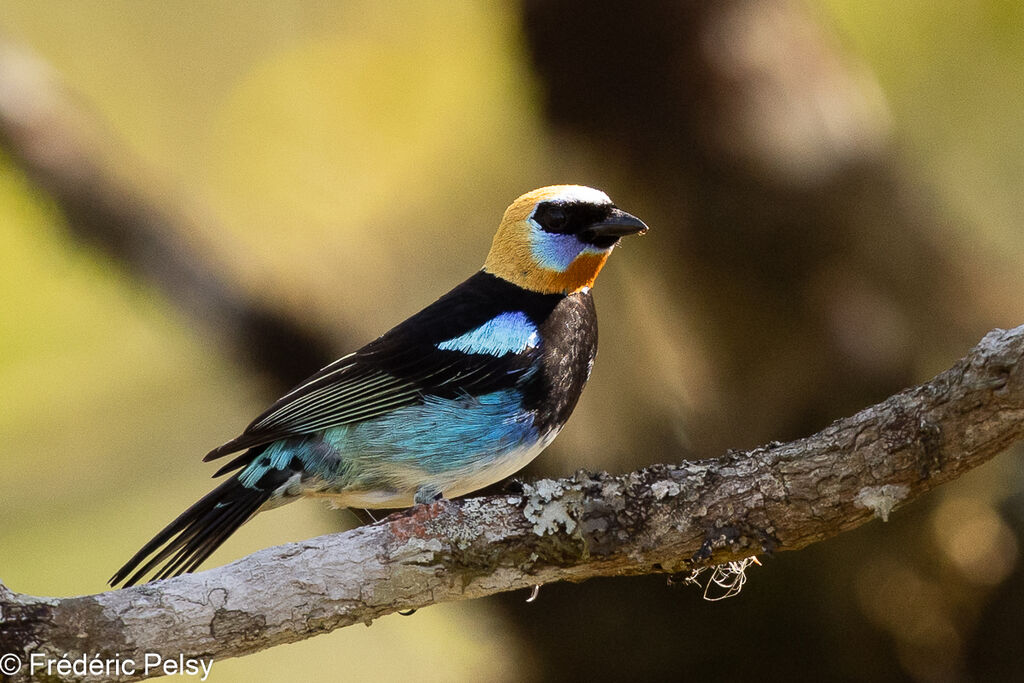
(556, 239)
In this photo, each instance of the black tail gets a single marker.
(196, 533)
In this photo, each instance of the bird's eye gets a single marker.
(555, 218)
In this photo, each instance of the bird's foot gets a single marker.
(425, 495)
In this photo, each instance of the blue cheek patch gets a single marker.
(506, 333)
(553, 251)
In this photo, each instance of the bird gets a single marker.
(457, 397)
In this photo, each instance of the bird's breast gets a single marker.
(569, 347)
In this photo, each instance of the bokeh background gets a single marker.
(201, 202)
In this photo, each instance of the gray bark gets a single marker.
(660, 519)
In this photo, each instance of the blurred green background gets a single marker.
(835, 198)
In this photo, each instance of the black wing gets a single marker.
(402, 367)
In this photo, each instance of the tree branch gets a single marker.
(661, 519)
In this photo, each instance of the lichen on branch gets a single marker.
(660, 519)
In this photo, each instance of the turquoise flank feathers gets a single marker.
(451, 446)
(505, 333)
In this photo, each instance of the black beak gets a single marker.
(617, 224)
